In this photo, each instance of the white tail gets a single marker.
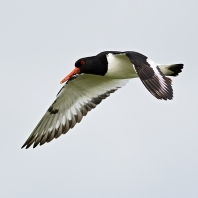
(171, 70)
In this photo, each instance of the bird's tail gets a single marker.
(171, 70)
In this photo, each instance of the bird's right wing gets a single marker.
(74, 100)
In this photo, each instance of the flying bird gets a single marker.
(93, 79)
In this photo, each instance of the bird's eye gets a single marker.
(82, 62)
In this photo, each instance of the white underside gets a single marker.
(120, 67)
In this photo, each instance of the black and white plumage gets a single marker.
(95, 78)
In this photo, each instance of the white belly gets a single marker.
(120, 67)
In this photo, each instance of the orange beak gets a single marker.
(75, 71)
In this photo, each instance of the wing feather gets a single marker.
(151, 76)
(75, 99)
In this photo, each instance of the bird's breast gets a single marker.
(119, 66)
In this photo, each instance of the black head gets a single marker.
(92, 65)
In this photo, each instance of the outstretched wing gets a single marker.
(74, 100)
(151, 76)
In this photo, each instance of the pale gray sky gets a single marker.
(131, 145)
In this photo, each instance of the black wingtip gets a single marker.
(26, 146)
(23, 146)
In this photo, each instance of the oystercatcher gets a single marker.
(93, 79)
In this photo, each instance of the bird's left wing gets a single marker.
(151, 76)
(74, 100)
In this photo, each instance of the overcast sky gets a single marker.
(131, 145)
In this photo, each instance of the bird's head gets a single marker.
(88, 65)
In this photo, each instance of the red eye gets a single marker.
(82, 62)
